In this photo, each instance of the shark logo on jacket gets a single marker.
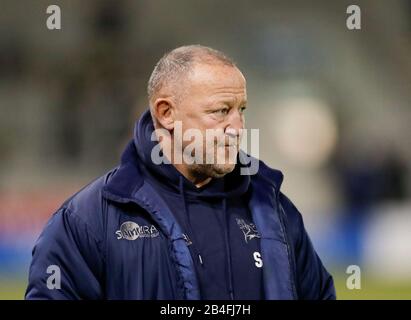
(130, 230)
(249, 230)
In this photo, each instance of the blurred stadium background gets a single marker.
(333, 107)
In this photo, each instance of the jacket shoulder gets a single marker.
(292, 216)
(88, 205)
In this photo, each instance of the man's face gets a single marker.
(214, 97)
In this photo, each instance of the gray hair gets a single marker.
(178, 62)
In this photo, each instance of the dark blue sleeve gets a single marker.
(66, 247)
(313, 281)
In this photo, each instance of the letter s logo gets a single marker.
(257, 259)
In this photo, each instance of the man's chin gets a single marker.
(212, 170)
(220, 170)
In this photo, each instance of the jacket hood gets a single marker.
(232, 184)
(127, 178)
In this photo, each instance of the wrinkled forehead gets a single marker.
(216, 78)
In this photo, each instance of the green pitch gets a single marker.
(14, 288)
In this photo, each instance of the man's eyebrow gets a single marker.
(233, 100)
(243, 103)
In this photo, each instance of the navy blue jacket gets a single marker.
(87, 240)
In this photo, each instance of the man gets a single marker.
(184, 227)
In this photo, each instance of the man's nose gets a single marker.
(235, 125)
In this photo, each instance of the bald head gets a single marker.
(172, 69)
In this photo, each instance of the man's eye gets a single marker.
(242, 109)
(223, 111)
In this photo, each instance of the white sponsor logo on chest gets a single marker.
(130, 230)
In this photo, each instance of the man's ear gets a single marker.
(164, 112)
